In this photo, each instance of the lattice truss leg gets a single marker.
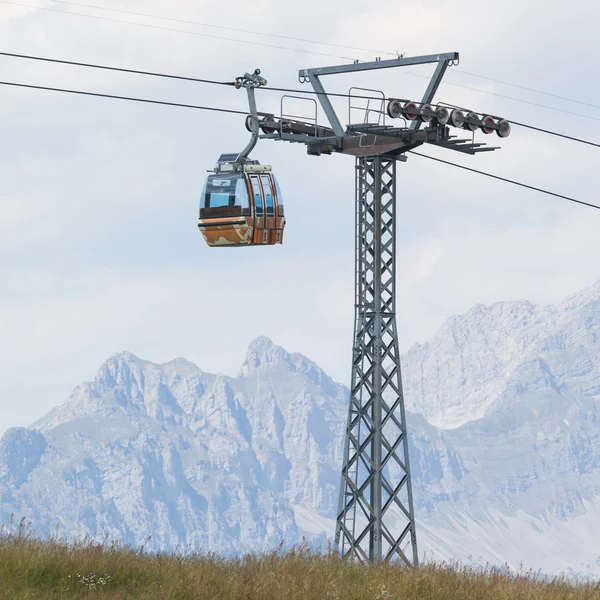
(376, 516)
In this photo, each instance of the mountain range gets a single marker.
(503, 415)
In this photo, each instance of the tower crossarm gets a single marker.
(387, 126)
(314, 77)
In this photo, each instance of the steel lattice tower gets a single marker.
(375, 520)
(376, 517)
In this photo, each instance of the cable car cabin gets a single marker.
(241, 208)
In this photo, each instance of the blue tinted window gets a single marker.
(278, 191)
(225, 190)
(268, 195)
(216, 200)
(241, 193)
(203, 195)
(257, 195)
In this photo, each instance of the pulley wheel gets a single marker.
(248, 123)
(503, 130)
(472, 121)
(394, 109)
(487, 120)
(457, 118)
(442, 115)
(267, 130)
(411, 111)
(427, 113)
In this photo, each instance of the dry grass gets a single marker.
(50, 570)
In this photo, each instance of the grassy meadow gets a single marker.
(51, 570)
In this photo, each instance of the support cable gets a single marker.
(523, 87)
(533, 127)
(555, 133)
(110, 68)
(345, 47)
(564, 112)
(176, 77)
(115, 97)
(302, 51)
(530, 187)
(224, 27)
(273, 89)
(240, 112)
(217, 37)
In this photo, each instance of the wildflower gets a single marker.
(93, 581)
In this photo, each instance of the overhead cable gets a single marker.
(530, 187)
(177, 77)
(566, 112)
(274, 89)
(113, 96)
(208, 35)
(224, 27)
(308, 41)
(521, 87)
(474, 89)
(197, 33)
(110, 68)
(239, 112)
(533, 127)
(555, 133)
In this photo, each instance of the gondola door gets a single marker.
(280, 217)
(260, 231)
(269, 195)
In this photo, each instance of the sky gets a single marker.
(99, 247)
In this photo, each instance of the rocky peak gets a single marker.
(124, 368)
(493, 352)
(263, 353)
(589, 296)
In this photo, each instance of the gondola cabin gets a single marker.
(241, 205)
